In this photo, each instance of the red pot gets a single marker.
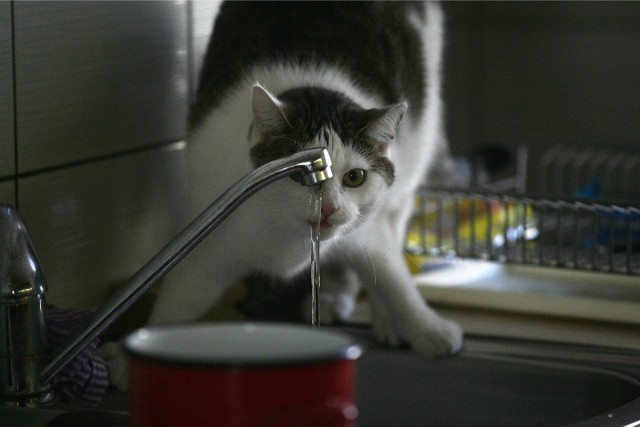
(241, 374)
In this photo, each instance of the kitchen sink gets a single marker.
(492, 382)
(499, 382)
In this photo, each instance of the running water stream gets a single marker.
(315, 205)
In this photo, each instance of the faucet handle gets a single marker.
(20, 271)
(23, 338)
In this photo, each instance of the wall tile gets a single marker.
(94, 78)
(542, 73)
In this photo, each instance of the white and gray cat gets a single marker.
(363, 80)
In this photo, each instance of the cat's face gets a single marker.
(351, 195)
(357, 141)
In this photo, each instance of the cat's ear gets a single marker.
(384, 125)
(268, 112)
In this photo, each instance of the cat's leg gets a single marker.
(198, 281)
(339, 288)
(194, 286)
(382, 321)
(399, 312)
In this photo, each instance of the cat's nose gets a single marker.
(328, 210)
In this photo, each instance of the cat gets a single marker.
(359, 78)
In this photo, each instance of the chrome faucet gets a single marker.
(26, 370)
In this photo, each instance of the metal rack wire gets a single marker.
(568, 234)
(593, 172)
(500, 221)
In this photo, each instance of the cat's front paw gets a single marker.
(114, 355)
(437, 338)
(431, 336)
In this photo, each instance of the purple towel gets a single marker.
(85, 377)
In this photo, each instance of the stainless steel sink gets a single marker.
(493, 382)
(501, 383)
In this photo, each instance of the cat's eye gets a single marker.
(354, 178)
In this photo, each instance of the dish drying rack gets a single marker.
(581, 232)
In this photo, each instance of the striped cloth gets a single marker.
(85, 377)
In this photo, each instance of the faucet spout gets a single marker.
(314, 167)
(318, 170)
(26, 371)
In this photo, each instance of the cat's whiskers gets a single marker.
(410, 258)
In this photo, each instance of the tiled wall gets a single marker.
(99, 92)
